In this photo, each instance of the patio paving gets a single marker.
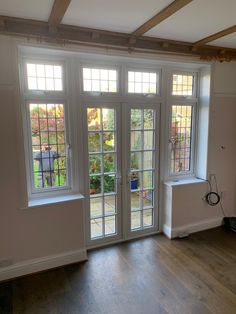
(110, 223)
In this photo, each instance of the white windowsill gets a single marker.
(184, 182)
(54, 200)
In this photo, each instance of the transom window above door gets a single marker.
(143, 82)
(100, 80)
(44, 76)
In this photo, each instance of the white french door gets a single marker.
(141, 158)
(122, 176)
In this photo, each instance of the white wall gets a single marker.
(189, 213)
(27, 234)
(222, 134)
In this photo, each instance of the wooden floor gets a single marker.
(152, 275)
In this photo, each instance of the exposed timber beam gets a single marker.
(215, 36)
(58, 11)
(68, 34)
(161, 16)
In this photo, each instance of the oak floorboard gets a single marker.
(152, 275)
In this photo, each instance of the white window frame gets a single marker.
(143, 69)
(185, 100)
(45, 97)
(99, 66)
(48, 61)
(195, 76)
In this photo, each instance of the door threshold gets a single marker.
(105, 245)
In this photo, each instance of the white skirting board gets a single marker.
(172, 233)
(40, 264)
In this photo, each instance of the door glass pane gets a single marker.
(94, 119)
(96, 207)
(109, 141)
(135, 180)
(109, 183)
(110, 204)
(96, 227)
(108, 119)
(110, 225)
(135, 220)
(147, 198)
(148, 160)
(147, 179)
(135, 200)
(136, 119)
(142, 167)
(135, 161)
(109, 162)
(147, 217)
(148, 139)
(148, 119)
(102, 171)
(95, 185)
(95, 163)
(136, 140)
(94, 142)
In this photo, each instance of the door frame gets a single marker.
(127, 233)
(112, 238)
(123, 128)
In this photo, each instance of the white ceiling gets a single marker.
(197, 20)
(29, 9)
(227, 41)
(113, 15)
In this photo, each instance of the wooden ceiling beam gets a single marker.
(67, 34)
(58, 11)
(161, 16)
(215, 36)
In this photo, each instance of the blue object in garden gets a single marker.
(134, 184)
